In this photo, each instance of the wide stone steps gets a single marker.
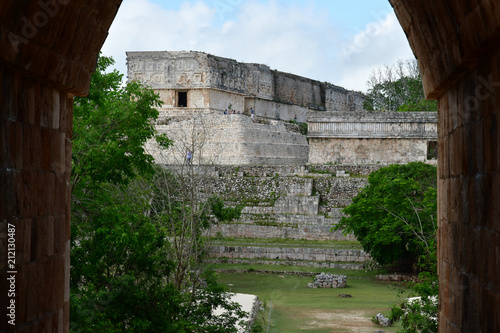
(275, 230)
(296, 263)
(306, 254)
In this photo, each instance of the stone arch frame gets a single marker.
(48, 51)
(457, 44)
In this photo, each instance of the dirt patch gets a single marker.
(355, 321)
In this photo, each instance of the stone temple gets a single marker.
(198, 89)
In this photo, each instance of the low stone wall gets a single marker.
(308, 232)
(328, 281)
(264, 271)
(295, 170)
(335, 265)
(288, 253)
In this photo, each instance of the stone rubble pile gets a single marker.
(383, 321)
(328, 281)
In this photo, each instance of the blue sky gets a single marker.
(340, 42)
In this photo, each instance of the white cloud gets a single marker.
(381, 43)
(292, 38)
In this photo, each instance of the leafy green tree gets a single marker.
(397, 88)
(394, 216)
(110, 128)
(123, 268)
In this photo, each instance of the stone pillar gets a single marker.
(457, 44)
(469, 201)
(48, 50)
(35, 166)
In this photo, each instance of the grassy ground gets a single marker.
(295, 308)
(288, 268)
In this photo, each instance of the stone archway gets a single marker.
(48, 50)
(457, 44)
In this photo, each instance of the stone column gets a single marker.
(48, 50)
(457, 44)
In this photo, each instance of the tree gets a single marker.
(179, 202)
(397, 88)
(110, 128)
(122, 269)
(394, 217)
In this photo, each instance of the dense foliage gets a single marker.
(394, 217)
(135, 265)
(397, 88)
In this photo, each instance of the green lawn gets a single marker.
(296, 308)
(287, 268)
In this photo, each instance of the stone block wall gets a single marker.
(276, 110)
(215, 138)
(460, 65)
(367, 151)
(220, 100)
(282, 206)
(287, 253)
(261, 193)
(339, 99)
(48, 51)
(301, 230)
(469, 210)
(297, 205)
(35, 192)
(311, 170)
(197, 70)
(371, 137)
(297, 90)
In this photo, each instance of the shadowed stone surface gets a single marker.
(457, 44)
(48, 51)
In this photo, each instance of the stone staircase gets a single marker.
(294, 216)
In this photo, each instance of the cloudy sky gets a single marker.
(338, 41)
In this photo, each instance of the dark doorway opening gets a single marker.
(432, 150)
(182, 99)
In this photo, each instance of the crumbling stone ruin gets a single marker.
(236, 113)
(328, 281)
(382, 320)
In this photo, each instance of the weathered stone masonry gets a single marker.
(371, 137)
(457, 45)
(48, 51)
(213, 82)
(294, 205)
(196, 88)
